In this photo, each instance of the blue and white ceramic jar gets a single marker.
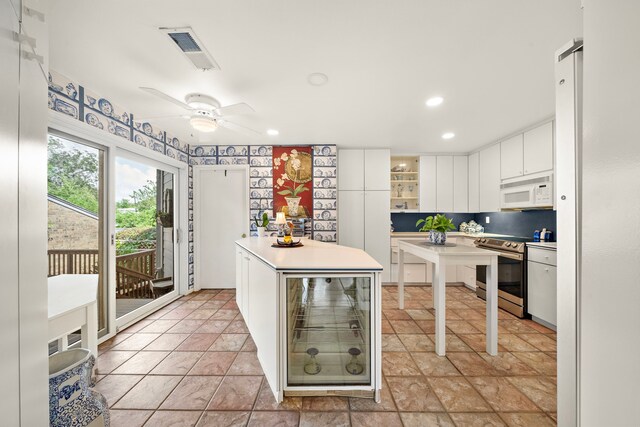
(437, 237)
(71, 402)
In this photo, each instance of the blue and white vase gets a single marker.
(71, 402)
(437, 237)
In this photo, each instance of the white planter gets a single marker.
(437, 237)
(71, 401)
(262, 231)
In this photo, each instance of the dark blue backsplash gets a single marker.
(407, 221)
(518, 223)
(513, 223)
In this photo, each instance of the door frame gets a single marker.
(70, 127)
(196, 209)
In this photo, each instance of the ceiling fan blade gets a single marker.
(175, 116)
(236, 127)
(166, 97)
(233, 109)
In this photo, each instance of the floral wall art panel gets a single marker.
(293, 181)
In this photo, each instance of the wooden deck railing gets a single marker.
(134, 272)
(73, 261)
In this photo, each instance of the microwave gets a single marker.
(527, 192)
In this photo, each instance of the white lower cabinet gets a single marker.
(257, 284)
(542, 286)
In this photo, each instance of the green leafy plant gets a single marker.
(293, 191)
(165, 219)
(438, 223)
(261, 220)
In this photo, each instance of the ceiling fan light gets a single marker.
(203, 124)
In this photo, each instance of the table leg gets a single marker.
(63, 343)
(492, 307)
(89, 330)
(401, 279)
(439, 296)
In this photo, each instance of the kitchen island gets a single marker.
(314, 313)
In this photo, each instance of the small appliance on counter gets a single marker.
(543, 236)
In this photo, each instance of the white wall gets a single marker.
(23, 198)
(610, 294)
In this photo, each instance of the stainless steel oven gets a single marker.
(512, 275)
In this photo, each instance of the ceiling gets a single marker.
(492, 61)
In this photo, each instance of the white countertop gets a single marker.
(450, 250)
(544, 245)
(449, 234)
(68, 292)
(313, 255)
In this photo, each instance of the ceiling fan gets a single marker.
(206, 113)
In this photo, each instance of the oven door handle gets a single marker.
(512, 256)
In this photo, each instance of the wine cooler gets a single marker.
(329, 341)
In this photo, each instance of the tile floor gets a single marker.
(194, 363)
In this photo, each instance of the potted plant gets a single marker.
(165, 219)
(437, 227)
(262, 221)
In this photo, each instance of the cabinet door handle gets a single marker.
(546, 269)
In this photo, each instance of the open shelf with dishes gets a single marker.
(405, 182)
(329, 331)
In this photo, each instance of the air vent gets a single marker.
(185, 42)
(188, 43)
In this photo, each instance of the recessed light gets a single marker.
(434, 101)
(273, 132)
(448, 135)
(318, 79)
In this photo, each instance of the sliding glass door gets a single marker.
(111, 214)
(144, 238)
(77, 204)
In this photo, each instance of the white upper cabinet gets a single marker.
(474, 185)
(527, 153)
(444, 183)
(489, 179)
(351, 170)
(538, 149)
(377, 164)
(428, 187)
(511, 157)
(460, 184)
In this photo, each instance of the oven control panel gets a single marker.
(500, 244)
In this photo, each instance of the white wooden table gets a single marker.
(72, 306)
(453, 254)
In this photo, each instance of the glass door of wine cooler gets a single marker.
(329, 331)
